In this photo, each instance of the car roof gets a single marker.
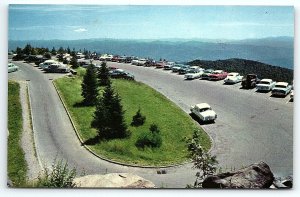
(203, 105)
(267, 80)
(282, 83)
(233, 73)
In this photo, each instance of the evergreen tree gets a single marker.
(74, 62)
(53, 51)
(89, 86)
(103, 76)
(68, 50)
(61, 50)
(109, 116)
(27, 49)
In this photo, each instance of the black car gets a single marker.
(250, 81)
(119, 73)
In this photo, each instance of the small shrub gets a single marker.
(138, 119)
(60, 176)
(149, 139)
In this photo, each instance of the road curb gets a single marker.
(33, 129)
(101, 157)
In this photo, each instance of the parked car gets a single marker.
(141, 62)
(120, 73)
(160, 64)
(206, 73)
(203, 112)
(57, 68)
(169, 65)
(265, 85)
(176, 67)
(46, 63)
(12, 67)
(218, 75)
(281, 89)
(115, 58)
(193, 74)
(233, 78)
(250, 81)
(135, 61)
(183, 70)
(122, 59)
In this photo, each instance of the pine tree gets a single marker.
(109, 116)
(53, 51)
(103, 75)
(89, 86)
(74, 62)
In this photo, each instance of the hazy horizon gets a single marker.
(77, 22)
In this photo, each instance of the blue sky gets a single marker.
(71, 22)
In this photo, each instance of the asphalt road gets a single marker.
(250, 127)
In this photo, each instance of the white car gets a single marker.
(281, 89)
(47, 63)
(233, 78)
(141, 62)
(12, 67)
(204, 112)
(265, 85)
(193, 74)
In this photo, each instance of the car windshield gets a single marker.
(204, 109)
(192, 71)
(280, 86)
(216, 72)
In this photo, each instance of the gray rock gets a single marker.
(255, 176)
(114, 180)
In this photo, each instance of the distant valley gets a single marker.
(277, 51)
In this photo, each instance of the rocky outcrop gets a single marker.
(255, 176)
(114, 180)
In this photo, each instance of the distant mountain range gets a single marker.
(277, 51)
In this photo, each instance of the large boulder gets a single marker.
(255, 176)
(114, 180)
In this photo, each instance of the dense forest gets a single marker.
(245, 67)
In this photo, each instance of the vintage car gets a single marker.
(233, 78)
(160, 64)
(183, 70)
(281, 89)
(46, 63)
(176, 67)
(203, 112)
(12, 67)
(250, 81)
(265, 85)
(169, 65)
(120, 73)
(57, 68)
(218, 75)
(206, 73)
(193, 73)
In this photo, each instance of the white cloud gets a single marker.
(80, 30)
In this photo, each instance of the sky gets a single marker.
(72, 22)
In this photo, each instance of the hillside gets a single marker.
(275, 51)
(248, 66)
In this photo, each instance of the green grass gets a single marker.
(16, 164)
(173, 123)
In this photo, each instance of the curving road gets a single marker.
(250, 126)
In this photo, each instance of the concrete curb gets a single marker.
(101, 157)
(33, 129)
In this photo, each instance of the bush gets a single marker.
(59, 177)
(138, 119)
(150, 139)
